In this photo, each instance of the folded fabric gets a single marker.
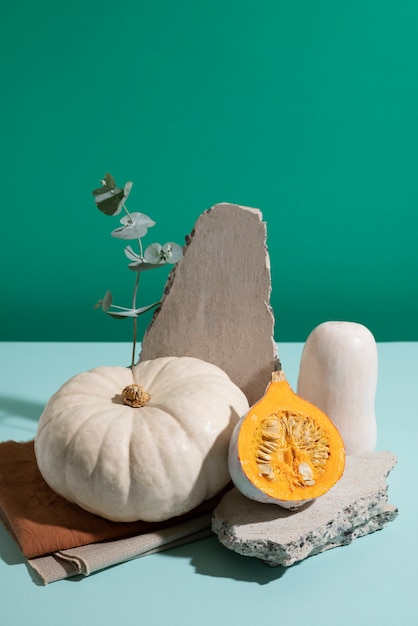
(88, 559)
(60, 539)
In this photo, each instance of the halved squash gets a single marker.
(285, 450)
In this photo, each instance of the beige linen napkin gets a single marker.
(92, 558)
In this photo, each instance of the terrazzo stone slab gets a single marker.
(357, 505)
(217, 300)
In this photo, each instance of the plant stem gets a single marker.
(127, 212)
(141, 253)
(135, 319)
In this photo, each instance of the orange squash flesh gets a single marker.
(289, 449)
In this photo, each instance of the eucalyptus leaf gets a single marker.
(107, 301)
(152, 253)
(142, 266)
(134, 226)
(132, 255)
(168, 253)
(127, 189)
(133, 312)
(100, 191)
(110, 181)
(120, 316)
(104, 303)
(109, 201)
(172, 252)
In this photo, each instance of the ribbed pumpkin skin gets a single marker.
(149, 463)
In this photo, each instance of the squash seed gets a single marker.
(291, 447)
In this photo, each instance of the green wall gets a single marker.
(306, 110)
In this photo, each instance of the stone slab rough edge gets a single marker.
(216, 303)
(355, 507)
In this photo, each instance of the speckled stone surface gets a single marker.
(216, 305)
(356, 506)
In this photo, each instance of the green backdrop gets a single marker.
(306, 110)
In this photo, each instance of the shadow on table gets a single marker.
(10, 553)
(210, 558)
(10, 406)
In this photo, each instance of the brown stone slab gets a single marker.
(216, 305)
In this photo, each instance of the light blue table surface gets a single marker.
(373, 581)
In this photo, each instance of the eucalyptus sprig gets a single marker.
(111, 200)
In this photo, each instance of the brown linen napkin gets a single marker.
(43, 523)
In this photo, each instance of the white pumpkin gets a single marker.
(146, 463)
(338, 373)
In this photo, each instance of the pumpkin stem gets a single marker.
(278, 377)
(135, 395)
